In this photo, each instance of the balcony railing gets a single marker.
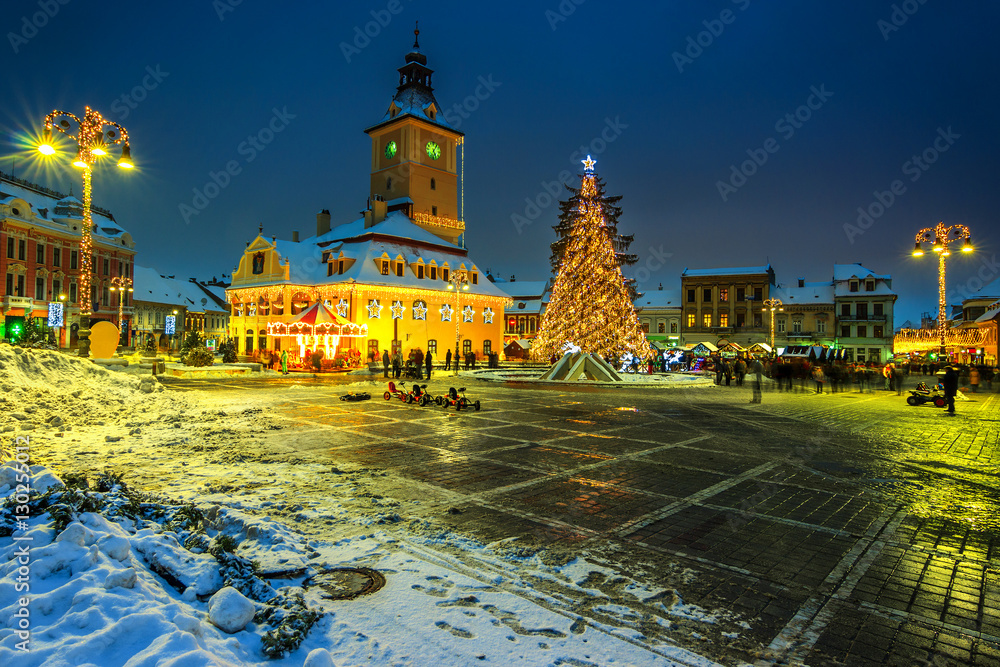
(25, 302)
(861, 318)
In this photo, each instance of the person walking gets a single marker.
(741, 371)
(950, 384)
(428, 362)
(447, 360)
(974, 376)
(397, 364)
(284, 362)
(897, 380)
(819, 377)
(385, 363)
(757, 371)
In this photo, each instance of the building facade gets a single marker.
(391, 274)
(807, 314)
(660, 316)
(725, 304)
(863, 301)
(188, 304)
(39, 259)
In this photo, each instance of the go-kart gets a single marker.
(418, 395)
(924, 394)
(360, 396)
(395, 392)
(459, 401)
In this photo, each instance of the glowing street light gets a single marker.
(122, 285)
(941, 237)
(92, 141)
(459, 282)
(773, 305)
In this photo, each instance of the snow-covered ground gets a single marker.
(114, 588)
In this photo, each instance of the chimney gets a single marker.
(295, 237)
(377, 211)
(322, 222)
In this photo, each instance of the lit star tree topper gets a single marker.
(590, 305)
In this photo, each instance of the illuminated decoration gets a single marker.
(488, 315)
(390, 150)
(170, 325)
(56, 320)
(420, 310)
(397, 310)
(122, 286)
(317, 320)
(437, 220)
(446, 311)
(386, 292)
(588, 165)
(342, 307)
(773, 305)
(590, 304)
(468, 314)
(92, 140)
(928, 340)
(433, 150)
(941, 237)
(374, 309)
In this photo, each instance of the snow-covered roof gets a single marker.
(395, 224)
(808, 293)
(990, 314)
(59, 212)
(415, 101)
(665, 298)
(849, 271)
(525, 289)
(736, 271)
(150, 287)
(529, 306)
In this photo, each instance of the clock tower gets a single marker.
(415, 156)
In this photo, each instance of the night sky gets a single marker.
(678, 107)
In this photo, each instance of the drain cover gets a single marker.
(347, 583)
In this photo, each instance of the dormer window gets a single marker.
(853, 286)
(444, 274)
(399, 269)
(433, 272)
(420, 271)
(869, 285)
(475, 278)
(385, 267)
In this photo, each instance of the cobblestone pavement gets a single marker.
(842, 529)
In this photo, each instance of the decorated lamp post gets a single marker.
(940, 238)
(772, 305)
(93, 141)
(122, 286)
(458, 281)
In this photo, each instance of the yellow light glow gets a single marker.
(46, 149)
(80, 163)
(97, 150)
(918, 252)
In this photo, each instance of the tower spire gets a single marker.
(416, 36)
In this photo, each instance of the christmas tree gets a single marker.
(590, 306)
(612, 211)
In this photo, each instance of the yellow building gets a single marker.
(389, 277)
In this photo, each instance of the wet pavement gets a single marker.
(837, 529)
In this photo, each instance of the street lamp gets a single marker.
(773, 305)
(458, 281)
(941, 237)
(93, 141)
(122, 285)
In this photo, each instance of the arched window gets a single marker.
(300, 302)
(249, 346)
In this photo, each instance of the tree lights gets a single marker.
(941, 237)
(590, 305)
(122, 285)
(93, 141)
(459, 282)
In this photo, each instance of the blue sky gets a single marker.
(829, 102)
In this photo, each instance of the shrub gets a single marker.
(228, 350)
(199, 356)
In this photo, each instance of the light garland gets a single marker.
(55, 319)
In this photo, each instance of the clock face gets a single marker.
(433, 150)
(390, 149)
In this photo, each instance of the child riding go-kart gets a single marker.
(924, 394)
